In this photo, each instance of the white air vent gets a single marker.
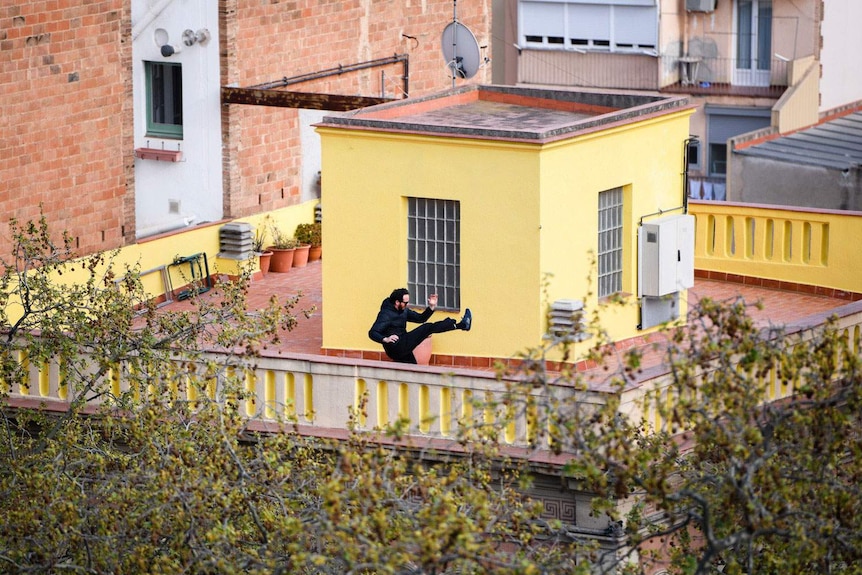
(236, 241)
(700, 5)
(566, 320)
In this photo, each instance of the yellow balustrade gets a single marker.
(779, 244)
(776, 244)
(445, 411)
(308, 396)
(382, 404)
(359, 400)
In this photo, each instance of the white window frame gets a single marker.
(434, 251)
(610, 242)
(752, 47)
(616, 26)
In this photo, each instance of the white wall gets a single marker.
(842, 49)
(171, 195)
(310, 141)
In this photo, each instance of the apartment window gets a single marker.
(434, 251)
(725, 122)
(753, 42)
(717, 159)
(610, 252)
(164, 99)
(693, 154)
(599, 25)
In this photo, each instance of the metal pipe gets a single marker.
(685, 177)
(341, 69)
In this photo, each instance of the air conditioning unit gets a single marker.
(700, 5)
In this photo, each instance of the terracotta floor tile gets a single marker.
(779, 307)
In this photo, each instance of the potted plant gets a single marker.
(264, 255)
(311, 234)
(282, 249)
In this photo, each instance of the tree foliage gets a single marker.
(757, 465)
(166, 476)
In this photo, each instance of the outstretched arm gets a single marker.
(417, 317)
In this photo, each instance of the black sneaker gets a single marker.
(466, 321)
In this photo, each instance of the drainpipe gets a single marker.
(685, 184)
(685, 16)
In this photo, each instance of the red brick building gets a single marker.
(75, 77)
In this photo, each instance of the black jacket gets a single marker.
(391, 321)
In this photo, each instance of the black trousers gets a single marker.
(402, 350)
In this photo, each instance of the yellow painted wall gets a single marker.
(646, 160)
(162, 250)
(366, 179)
(794, 245)
(526, 210)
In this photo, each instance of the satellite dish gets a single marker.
(460, 50)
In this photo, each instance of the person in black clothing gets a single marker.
(390, 327)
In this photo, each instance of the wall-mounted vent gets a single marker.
(236, 241)
(566, 320)
(700, 5)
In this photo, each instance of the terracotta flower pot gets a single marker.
(300, 256)
(282, 260)
(265, 258)
(422, 353)
(315, 253)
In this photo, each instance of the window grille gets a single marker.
(434, 251)
(610, 252)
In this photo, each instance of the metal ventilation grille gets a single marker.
(236, 241)
(565, 321)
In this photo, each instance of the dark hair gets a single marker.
(398, 295)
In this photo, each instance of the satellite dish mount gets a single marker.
(460, 48)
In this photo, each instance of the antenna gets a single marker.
(460, 48)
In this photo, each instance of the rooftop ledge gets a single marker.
(509, 113)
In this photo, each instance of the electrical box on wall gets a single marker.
(666, 248)
(700, 5)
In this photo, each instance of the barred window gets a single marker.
(610, 252)
(434, 251)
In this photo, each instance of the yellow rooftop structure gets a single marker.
(505, 200)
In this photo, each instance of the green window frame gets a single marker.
(164, 99)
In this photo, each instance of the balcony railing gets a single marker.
(788, 246)
(317, 396)
(620, 70)
(776, 246)
(713, 75)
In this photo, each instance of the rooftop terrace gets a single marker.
(779, 307)
(799, 265)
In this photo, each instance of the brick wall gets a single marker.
(278, 39)
(66, 126)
